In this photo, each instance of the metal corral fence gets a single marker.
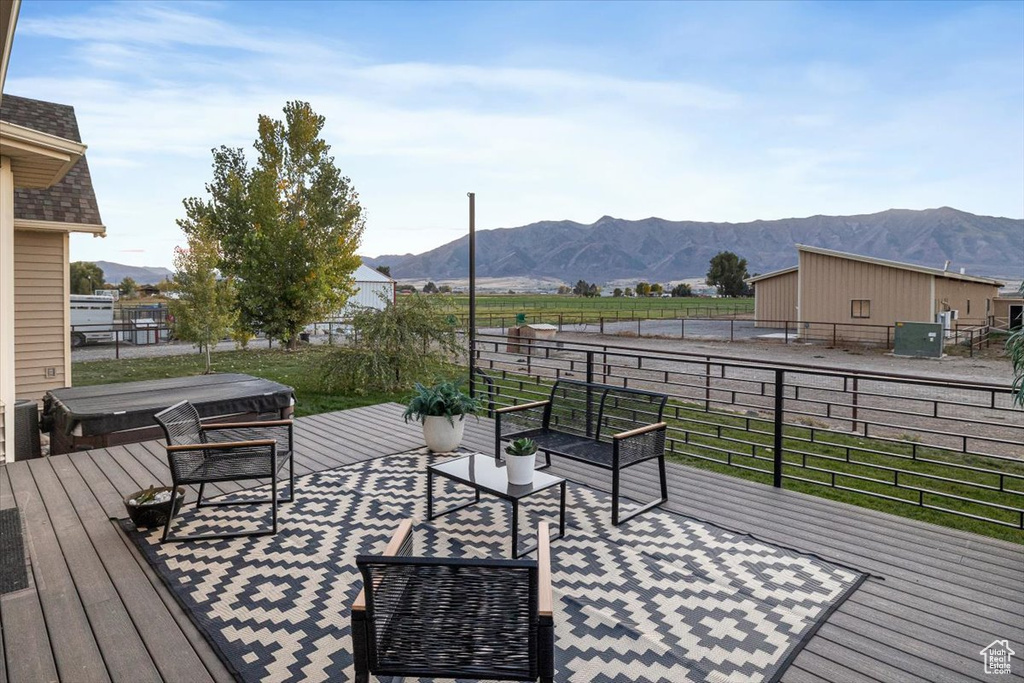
(139, 332)
(732, 328)
(948, 446)
(500, 319)
(158, 312)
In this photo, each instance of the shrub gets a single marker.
(414, 339)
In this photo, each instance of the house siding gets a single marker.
(775, 300)
(829, 284)
(40, 312)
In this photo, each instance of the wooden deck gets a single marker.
(97, 612)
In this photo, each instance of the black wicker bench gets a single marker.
(478, 619)
(608, 427)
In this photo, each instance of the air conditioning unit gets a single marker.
(955, 315)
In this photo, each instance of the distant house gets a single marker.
(830, 286)
(45, 194)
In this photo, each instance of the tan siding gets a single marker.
(1001, 310)
(40, 310)
(829, 284)
(775, 300)
(953, 295)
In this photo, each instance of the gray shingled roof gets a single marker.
(72, 200)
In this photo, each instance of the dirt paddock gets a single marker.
(991, 365)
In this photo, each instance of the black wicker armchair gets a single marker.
(486, 619)
(203, 454)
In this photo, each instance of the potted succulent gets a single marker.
(151, 507)
(520, 458)
(442, 408)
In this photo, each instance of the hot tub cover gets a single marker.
(108, 408)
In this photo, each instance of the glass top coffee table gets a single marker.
(484, 473)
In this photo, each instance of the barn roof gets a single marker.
(365, 273)
(774, 273)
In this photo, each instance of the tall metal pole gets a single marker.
(472, 293)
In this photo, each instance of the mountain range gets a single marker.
(661, 250)
(143, 275)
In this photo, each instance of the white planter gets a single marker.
(441, 436)
(520, 468)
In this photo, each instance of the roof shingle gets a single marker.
(72, 200)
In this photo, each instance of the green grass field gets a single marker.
(498, 308)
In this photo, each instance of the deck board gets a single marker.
(943, 593)
(71, 636)
(124, 654)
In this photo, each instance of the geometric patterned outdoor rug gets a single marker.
(661, 598)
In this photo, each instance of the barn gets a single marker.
(851, 297)
(373, 290)
(1008, 312)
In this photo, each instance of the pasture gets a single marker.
(501, 309)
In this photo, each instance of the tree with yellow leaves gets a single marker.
(204, 311)
(288, 228)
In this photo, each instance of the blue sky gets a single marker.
(687, 111)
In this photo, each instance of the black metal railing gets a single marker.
(949, 446)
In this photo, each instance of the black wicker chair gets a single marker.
(209, 453)
(473, 619)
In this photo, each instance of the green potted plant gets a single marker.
(442, 408)
(150, 507)
(520, 458)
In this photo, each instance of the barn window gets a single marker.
(968, 307)
(860, 308)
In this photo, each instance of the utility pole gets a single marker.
(472, 293)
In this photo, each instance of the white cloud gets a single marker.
(155, 87)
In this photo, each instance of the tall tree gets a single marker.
(727, 272)
(582, 288)
(643, 288)
(127, 287)
(384, 270)
(288, 228)
(85, 277)
(204, 312)
(430, 288)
